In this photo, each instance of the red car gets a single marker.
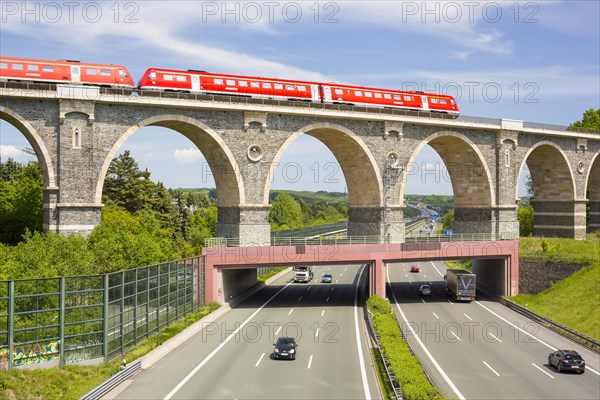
(414, 268)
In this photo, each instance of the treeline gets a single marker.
(287, 213)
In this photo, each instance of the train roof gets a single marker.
(233, 76)
(59, 62)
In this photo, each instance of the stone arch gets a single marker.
(593, 175)
(547, 165)
(230, 187)
(360, 169)
(469, 173)
(44, 159)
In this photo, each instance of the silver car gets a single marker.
(425, 290)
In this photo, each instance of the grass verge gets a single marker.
(71, 381)
(269, 274)
(384, 384)
(404, 365)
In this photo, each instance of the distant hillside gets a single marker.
(312, 197)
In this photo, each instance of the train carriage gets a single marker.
(359, 95)
(206, 82)
(74, 72)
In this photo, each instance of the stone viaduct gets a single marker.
(76, 131)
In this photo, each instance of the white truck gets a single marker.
(460, 284)
(303, 273)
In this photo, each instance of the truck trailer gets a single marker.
(460, 284)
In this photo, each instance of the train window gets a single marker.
(387, 96)
(167, 77)
(302, 88)
(339, 92)
(358, 93)
(90, 71)
(17, 67)
(407, 98)
(152, 75)
(181, 78)
(3, 65)
(243, 83)
(266, 85)
(255, 84)
(433, 100)
(278, 86)
(218, 81)
(443, 101)
(230, 82)
(378, 95)
(290, 87)
(368, 94)
(122, 74)
(397, 97)
(48, 68)
(105, 72)
(33, 67)
(452, 102)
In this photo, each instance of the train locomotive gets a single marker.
(193, 81)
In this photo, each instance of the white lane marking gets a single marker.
(423, 301)
(435, 315)
(454, 334)
(219, 347)
(278, 330)
(438, 271)
(363, 371)
(290, 313)
(308, 290)
(470, 319)
(322, 313)
(310, 361)
(424, 276)
(410, 282)
(259, 360)
(406, 275)
(300, 298)
(435, 364)
(327, 301)
(332, 289)
(494, 371)
(317, 333)
(450, 302)
(530, 335)
(337, 280)
(494, 336)
(542, 370)
(345, 269)
(341, 273)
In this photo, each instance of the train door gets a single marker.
(315, 95)
(75, 73)
(425, 103)
(327, 94)
(195, 83)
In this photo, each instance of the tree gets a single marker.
(448, 219)
(286, 211)
(525, 216)
(126, 186)
(591, 119)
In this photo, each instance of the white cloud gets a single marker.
(9, 151)
(187, 156)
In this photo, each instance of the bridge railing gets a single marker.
(296, 241)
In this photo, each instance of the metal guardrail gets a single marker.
(302, 241)
(569, 333)
(391, 378)
(291, 103)
(311, 231)
(107, 386)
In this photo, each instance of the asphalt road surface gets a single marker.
(481, 349)
(232, 357)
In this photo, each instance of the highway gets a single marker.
(231, 358)
(483, 350)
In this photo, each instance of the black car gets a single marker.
(567, 360)
(285, 348)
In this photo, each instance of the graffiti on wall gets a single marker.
(28, 354)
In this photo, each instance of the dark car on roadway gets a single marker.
(567, 360)
(285, 347)
(425, 290)
(326, 278)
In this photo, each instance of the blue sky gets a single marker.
(530, 60)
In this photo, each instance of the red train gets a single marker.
(204, 82)
(22, 69)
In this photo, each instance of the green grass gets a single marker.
(559, 249)
(572, 302)
(269, 274)
(72, 382)
(384, 384)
